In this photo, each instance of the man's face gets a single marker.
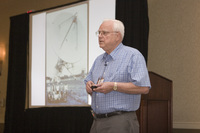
(107, 37)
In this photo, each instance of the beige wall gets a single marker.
(174, 51)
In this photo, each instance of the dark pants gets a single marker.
(124, 123)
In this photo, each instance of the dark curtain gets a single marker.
(60, 119)
(134, 15)
(16, 85)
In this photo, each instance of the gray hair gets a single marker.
(117, 26)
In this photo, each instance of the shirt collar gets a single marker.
(113, 54)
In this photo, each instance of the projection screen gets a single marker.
(63, 46)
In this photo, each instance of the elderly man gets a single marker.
(116, 81)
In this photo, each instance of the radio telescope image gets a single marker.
(66, 56)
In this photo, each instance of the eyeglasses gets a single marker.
(104, 33)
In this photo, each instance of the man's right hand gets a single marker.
(89, 84)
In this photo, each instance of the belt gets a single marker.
(109, 114)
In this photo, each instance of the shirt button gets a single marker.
(97, 106)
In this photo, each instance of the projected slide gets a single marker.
(66, 56)
(63, 47)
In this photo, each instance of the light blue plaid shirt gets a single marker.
(124, 64)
